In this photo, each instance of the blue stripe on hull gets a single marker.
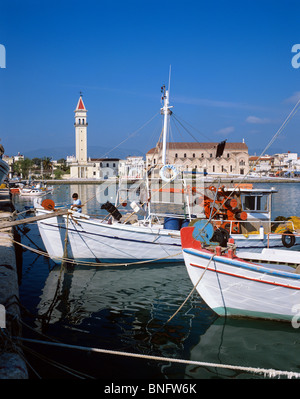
(240, 264)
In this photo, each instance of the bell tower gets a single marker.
(81, 132)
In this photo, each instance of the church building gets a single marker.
(202, 157)
(82, 166)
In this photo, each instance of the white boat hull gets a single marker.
(93, 241)
(32, 193)
(233, 287)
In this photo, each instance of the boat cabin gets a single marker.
(257, 203)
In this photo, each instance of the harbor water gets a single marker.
(126, 308)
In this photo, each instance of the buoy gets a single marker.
(48, 204)
(172, 173)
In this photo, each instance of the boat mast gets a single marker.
(166, 111)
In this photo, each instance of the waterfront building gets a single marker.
(285, 162)
(10, 160)
(103, 168)
(261, 166)
(132, 167)
(202, 157)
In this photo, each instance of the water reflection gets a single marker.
(128, 309)
(247, 343)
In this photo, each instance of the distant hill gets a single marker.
(93, 152)
(102, 152)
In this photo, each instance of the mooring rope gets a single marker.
(191, 292)
(271, 373)
(83, 263)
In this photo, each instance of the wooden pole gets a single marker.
(5, 225)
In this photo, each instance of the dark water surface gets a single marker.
(126, 308)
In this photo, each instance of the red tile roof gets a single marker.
(201, 146)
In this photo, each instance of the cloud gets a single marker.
(226, 130)
(293, 99)
(257, 121)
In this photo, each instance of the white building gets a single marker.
(202, 156)
(261, 166)
(132, 167)
(11, 160)
(103, 168)
(286, 162)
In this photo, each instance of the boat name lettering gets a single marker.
(238, 286)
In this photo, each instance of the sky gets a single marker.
(231, 72)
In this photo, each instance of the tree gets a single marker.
(22, 167)
(47, 164)
(58, 173)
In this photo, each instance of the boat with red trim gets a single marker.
(234, 287)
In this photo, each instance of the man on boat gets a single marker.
(76, 203)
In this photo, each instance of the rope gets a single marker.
(16, 349)
(271, 373)
(131, 135)
(193, 289)
(82, 263)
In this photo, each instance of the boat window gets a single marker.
(258, 203)
(262, 203)
(249, 203)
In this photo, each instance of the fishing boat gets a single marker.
(115, 239)
(244, 213)
(31, 192)
(14, 188)
(154, 234)
(234, 287)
